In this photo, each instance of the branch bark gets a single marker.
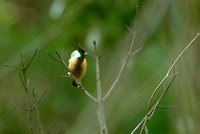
(100, 104)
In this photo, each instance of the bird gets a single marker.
(77, 66)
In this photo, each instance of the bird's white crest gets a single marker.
(75, 54)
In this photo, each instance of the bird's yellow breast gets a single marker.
(77, 69)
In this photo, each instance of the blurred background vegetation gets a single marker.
(163, 27)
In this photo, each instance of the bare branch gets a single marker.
(54, 58)
(33, 92)
(26, 67)
(139, 124)
(104, 52)
(151, 111)
(22, 61)
(39, 121)
(61, 60)
(87, 93)
(122, 68)
(25, 82)
(168, 72)
(137, 50)
(154, 107)
(38, 102)
(11, 66)
(100, 104)
(146, 130)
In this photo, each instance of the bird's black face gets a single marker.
(81, 51)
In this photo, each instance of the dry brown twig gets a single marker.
(151, 109)
(30, 104)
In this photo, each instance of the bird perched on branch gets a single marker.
(77, 66)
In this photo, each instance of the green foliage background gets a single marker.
(163, 27)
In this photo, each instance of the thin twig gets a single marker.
(139, 124)
(61, 60)
(25, 83)
(26, 67)
(151, 111)
(38, 102)
(154, 107)
(11, 66)
(39, 120)
(30, 122)
(22, 61)
(130, 53)
(168, 72)
(87, 93)
(135, 52)
(104, 52)
(51, 56)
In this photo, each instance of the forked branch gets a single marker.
(170, 69)
(30, 103)
(130, 53)
(151, 110)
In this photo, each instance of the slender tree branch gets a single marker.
(150, 114)
(137, 51)
(22, 62)
(52, 57)
(87, 93)
(170, 69)
(29, 102)
(12, 66)
(30, 122)
(100, 105)
(26, 67)
(130, 53)
(146, 130)
(139, 124)
(104, 52)
(151, 110)
(38, 102)
(61, 59)
(39, 120)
